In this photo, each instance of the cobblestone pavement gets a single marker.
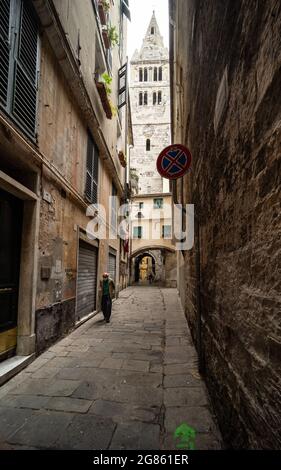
(125, 385)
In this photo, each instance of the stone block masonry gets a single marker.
(231, 64)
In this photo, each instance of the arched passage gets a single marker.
(158, 260)
(144, 267)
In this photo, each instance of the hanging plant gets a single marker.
(103, 84)
(113, 36)
(105, 4)
(122, 158)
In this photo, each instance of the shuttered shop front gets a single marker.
(87, 280)
(112, 266)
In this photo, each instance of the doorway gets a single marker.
(11, 215)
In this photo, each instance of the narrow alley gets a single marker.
(140, 230)
(129, 384)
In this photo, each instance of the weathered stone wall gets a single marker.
(170, 269)
(229, 69)
(53, 322)
(62, 139)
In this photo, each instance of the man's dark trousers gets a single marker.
(106, 305)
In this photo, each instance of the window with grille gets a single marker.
(19, 51)
(92, 172)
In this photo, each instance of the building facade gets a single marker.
(61, 137)
(225, 82)
(152, 239)
(151, 204)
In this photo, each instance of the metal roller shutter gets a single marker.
(112, 266)
(87, 280)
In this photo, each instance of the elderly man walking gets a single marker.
(107, 292)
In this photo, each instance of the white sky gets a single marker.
(141, 12)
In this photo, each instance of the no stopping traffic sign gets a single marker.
(174, 162)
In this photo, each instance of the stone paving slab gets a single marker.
(42, 430)
(87, 432)
(124, 385)
(48, 387)
(11, 420)
(132, 436)
(120, 412)
(189, 396)
(198, 417)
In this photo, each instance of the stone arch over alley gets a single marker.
(160, 263)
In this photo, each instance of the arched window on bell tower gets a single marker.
(155, 74)
(140, 75)
(145, 98)
(145, 75)
(148, 145)
(159, 97)
(154, 98)
(140, 99)
(160, 74)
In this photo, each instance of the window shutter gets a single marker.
(4, 50)
(114, 208)
(122, 86)
(89, 170)
(125, 9)
(95, 174)
(25, 88)
(92, 171)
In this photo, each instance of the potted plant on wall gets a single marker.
(103, 7)
(103, 83)
(122, 158)
(113, 36)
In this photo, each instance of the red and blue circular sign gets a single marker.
(174, 162)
